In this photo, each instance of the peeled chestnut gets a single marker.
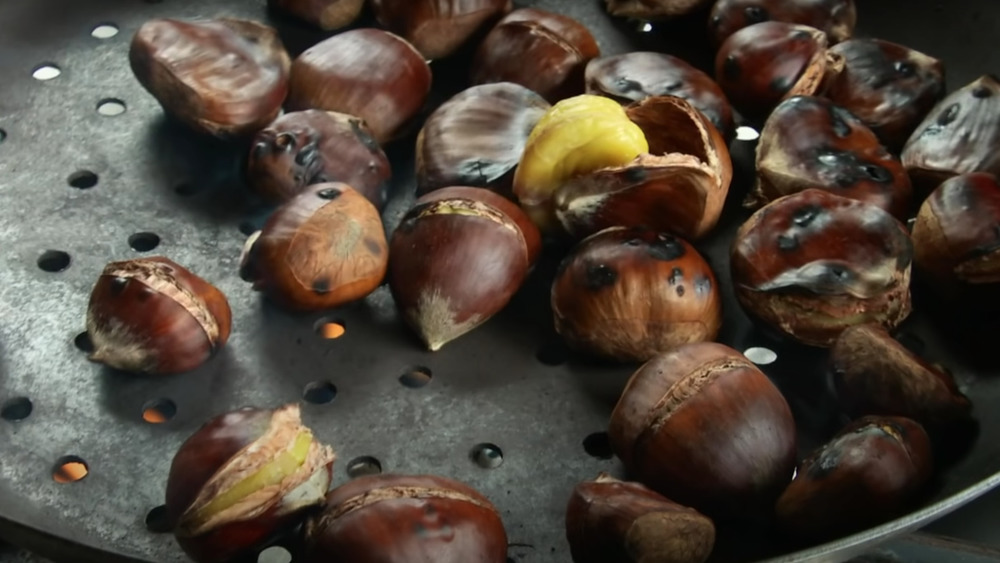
(406, 519)
(312, 147)
(704, 427)
(438, 28)
(224, 77)
(369, 73)
(543, 51)
(323, 249)
(810, 142)
(477, 137)
(836, 18)
(612, 520)
(628, 294)
(327, 15)
(243, 477)
(868, 474)
(811, 264)
(152, 315)
(458, 257)
(653, 9)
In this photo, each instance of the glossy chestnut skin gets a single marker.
(868, 474)
(327, 15)
(324, 248)
(543, 51)
(152, 315)
(633, 77)
(477, 138)
(224, 77)
(889, 87)
(612, 520)
(836, 18)
(369, 73)
(704, 427)
(653, 9)
(810, 142)
(628, 294)
(406, 519)
(811, 264)
(438, 28)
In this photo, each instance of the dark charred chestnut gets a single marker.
(543, 51)
(243, 477)
(628, 294)
(836, 18)
(813, 263)
(704, 427)
(653, 9)
(612, 520)
(324, 248)
(152, 315)
(809, 142)
(438, 28)
(406, 519)
(327, 15)
(369, 73)
(867, 475)
(223, 77)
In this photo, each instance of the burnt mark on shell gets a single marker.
(373, 246)
(479, 172)
(673, 87)
(802, 35)
(949, 115)
(840, 120)
(633, 242)
(756, 14)
(636, 174)
(702, 286)
(848, 169)
(666, 247)
(329, 193)
(905, 69)
(321, 286)
(600, 276)
(627, 86)
(731, 69)
(680, 291)
(788, 243)
(877, 173)
(307, 156)
(781, 84)
(118, 285)
(982, 92)
(367, 140)
(805, 215)
(676, 275)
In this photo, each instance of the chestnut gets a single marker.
(477, 138)
(810, 264)
(810, 142)
(633, 77)
(406, 519)
(612, 520)
(888, 86)
(868, 474)
(458, 257)
(152, 315)
(653, 9)
(628, 294)
(835, 18)
(309, 147)
(224, 77)
(327, 15)
(438, 28)
(324, 248)
(704, 427)
(543, 51)
(242, 478)
(369, 73)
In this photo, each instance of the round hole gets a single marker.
(330, 329)
(598, 445)
(185, 189)
(416, 377)
(144, 242)
(46, 71)
(156, 520)
(364, 465)
(83, 342)
(761, 356)
(110, 107)
(82, 179)
(159, 411)
(553, 354)
(275, 554)
(16, 409)
(53, 261)
(487, 456)
(320, 392)
(745, 133)
(104, 31)
(70, 469)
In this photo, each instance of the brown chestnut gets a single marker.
(836, 18)
(152, 315)
(704, 427)
(628, 294)
(313, 147)
(543, 51)
(868, 474)
(438, 28)
(324, 248)
(406, 519)
(243, 477)
(612, 520)
(810, 142)
(653, 9)
(327, 15)
(811, 264)
(458, 257)
(369, 73)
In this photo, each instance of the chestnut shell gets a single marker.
(327, 15)
(438, 28)
(836, 18)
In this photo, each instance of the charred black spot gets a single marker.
(905, 69)
(805, 215)
(330, 193)
(680, 291)
(633, 242)
(672, 87)
(367, 140)
(307, 155)
(949, 115)
(676, 275)
(840, 120)
(731, 69)
(756, 14)
(321, 286)
(118, 285)
(788, 242)
(627, 86)
(702, 285)
(982, 92)
(781, 84)
(260, 150)
(878, 173)
(600, 276)
(373, 246)
(636, 174)
(666, 248)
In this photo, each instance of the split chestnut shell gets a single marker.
(836, 18)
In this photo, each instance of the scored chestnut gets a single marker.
(152, 315)
(653, 9)
(327, 15)
(836, 18)
(438, 28)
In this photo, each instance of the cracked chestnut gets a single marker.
(327, 15)
(836, 18)
(438, 28)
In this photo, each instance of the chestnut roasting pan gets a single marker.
(87, 160)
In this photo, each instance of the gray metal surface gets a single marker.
(486, 387)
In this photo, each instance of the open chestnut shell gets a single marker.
(327, 15)
(811, 264)
(653, 9)
(810, 142)
(836, 18)
(438, 28)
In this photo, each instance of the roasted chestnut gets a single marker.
(477, 138)
(704, 427)
(312, 147)
(836, 18)
(243, 477)
(810, 142)
(324, 248)
(458, 257)
(653, 9)
(406, 519)
(224, 77)
(628, 294)
(327, 15)
(811, 264)
(369, 73)
(868, 474)
(612, 520)
(152, 315)
(543, 51)
(438, 28)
